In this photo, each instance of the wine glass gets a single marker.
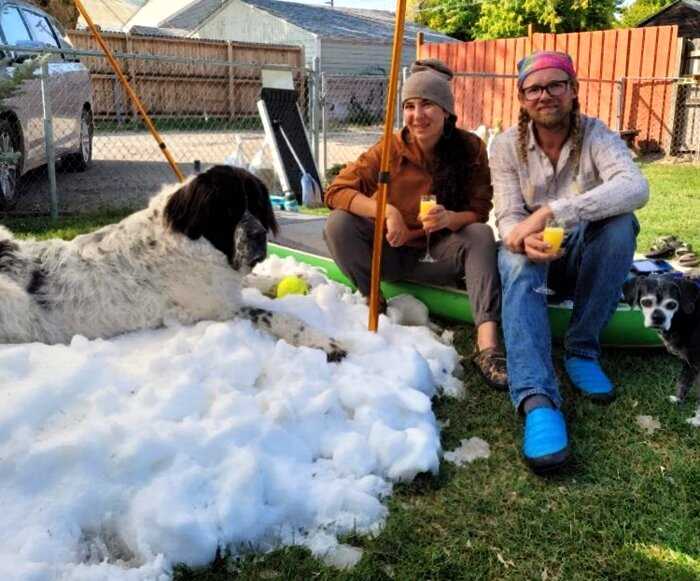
(426, 203)
(553, 234)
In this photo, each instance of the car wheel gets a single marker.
(80, 160)
(8, 166)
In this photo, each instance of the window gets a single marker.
(13, 26)
(42, 31)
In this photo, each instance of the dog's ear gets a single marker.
(258, 199)
(689, 295)
(631, 290)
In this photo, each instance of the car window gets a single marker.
(41, 29)
(13, 26)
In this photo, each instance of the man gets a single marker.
(558, 164)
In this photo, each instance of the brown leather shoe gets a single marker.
(491, 364)
(382, 304)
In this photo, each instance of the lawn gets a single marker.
(627, 508)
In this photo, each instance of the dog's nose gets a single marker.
(257, 255)
(658, 317)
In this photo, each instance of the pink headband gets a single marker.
(545, 60)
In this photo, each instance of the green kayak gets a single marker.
(625, 329)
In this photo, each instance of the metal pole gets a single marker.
(324, 121)
(48, 138)
(316, 108)
(383, 191)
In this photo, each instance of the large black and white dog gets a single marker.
(182, 259)
(671, 305)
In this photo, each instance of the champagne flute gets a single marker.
(426, 203)
(553, 234)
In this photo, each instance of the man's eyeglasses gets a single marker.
(554, 89)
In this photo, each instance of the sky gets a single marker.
(120, 457)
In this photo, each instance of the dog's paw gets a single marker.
(681, 392)
(334, 352)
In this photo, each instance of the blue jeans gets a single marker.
(597, 260)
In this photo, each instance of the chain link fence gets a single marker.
(205, 110)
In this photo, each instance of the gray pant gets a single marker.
(470, 253)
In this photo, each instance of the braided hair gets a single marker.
(575, 133)
(451, 168)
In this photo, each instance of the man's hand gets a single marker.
(396, 230)
(537, 250)
(515, 240)
(436, 219)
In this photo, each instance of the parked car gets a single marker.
(23, 25)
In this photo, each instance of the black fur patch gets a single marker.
(8, 256)
(35, 286)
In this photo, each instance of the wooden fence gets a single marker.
(172, 89)
(623, 73)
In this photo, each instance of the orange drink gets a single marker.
(554, 236)
(426, 203)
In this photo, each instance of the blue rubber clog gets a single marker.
(589, 378)
(545, 441)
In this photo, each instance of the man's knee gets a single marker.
(616, 230)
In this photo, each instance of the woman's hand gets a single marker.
(437, 219)
(396, 230)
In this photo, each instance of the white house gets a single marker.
(345, 40)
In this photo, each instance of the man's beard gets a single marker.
(552, 120)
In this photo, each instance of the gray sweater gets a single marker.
(608, 182)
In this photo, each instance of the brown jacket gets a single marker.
(411, 178)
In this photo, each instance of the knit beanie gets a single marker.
(430, 79)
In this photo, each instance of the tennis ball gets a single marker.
(293, 285)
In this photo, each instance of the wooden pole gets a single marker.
(530, 32)
(129, 91)
(382, 193)
(420, 39)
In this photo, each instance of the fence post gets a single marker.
(128, 72)
(398, 122)
(315, 108)
(620, 103)
(48, 138)
(231, 81)
(324, 121)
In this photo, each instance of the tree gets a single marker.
(62, 10)
(640, 10)
(455, 18)
(469, 19)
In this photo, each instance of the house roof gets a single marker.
(692, 4)
(109, 14)
(154, 11)
(154, 31)
(327, 22)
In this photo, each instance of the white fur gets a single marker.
(648, 304)
(136, 274)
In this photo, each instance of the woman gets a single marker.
(429, 156)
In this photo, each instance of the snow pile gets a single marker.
(119, 458)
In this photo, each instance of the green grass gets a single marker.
(674, 206)
(66, 227)
(628, 508)
(180, 124)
